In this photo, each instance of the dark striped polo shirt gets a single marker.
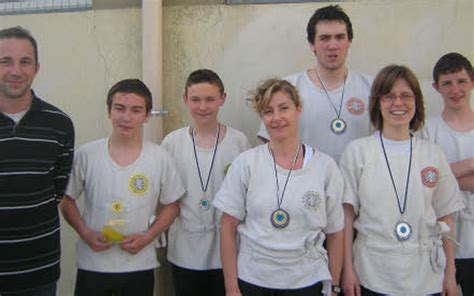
(35, 162)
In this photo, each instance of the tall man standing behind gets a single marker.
(36, 153)
(334, 98)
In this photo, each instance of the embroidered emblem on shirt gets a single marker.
(138, 184)
(355, 106)
(429, 176)
(116, 207)
(312, 200)
(226, 168)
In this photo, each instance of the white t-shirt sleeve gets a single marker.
(232, 195)
(171, 186)
(446, 198)
(351, 173)
(165, 144)
(424, 134)
(77, 180)
(334, 192)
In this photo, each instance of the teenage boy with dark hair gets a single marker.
(203, 151)
(123, 179)
(454, 131)
(334, 99)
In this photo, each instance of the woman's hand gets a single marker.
(350, 282)
(450, 287)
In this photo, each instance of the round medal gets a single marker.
(338, 126)
(204, 204)
(280, 218)
(402, 231)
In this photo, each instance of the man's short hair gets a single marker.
(327, 14)
(204, 76)
(20, 33)
(451, 63)
(131, 86)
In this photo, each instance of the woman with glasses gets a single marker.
(283, 199)
(400, 199)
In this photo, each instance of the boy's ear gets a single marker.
(223, 97)
(185, 98)
(435, 86)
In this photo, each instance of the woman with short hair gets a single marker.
(283, 199)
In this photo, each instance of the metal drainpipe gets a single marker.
(152, 65)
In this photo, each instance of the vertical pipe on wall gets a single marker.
(152, 62)
(152, 77)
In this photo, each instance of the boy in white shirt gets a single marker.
(454, 132)
(203, 152)
(123, 179)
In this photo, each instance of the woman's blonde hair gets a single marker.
(262, 95)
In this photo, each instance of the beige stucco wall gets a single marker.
(83, 53)
(247, 43)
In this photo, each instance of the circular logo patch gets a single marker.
(116, 207)
(429, 176)
(312, 200)
(138, 184)
(355, 106)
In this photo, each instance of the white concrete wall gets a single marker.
(83, 53)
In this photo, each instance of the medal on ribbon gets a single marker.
(402, 229)
(338, 125)
(204, 202)
(280, 218)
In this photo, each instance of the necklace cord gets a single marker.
(338, 113)
(280, 200)
(400, 208)
(204, 187)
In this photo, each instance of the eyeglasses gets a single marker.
(405, 97)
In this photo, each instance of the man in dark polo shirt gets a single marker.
(36, 153)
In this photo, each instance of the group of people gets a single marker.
(323, 206)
